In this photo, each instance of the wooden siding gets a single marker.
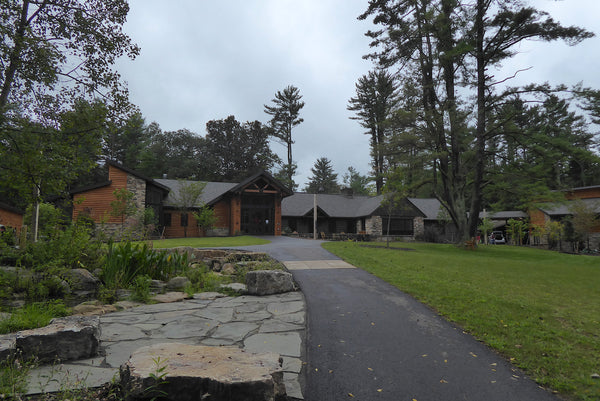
(11, 219)
(584, 193)
(96, 202)
(223, 214)
(236, 215)
(277, 216)
(176, 230)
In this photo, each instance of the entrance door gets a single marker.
(258, 213)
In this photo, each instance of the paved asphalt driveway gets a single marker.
(367, 340)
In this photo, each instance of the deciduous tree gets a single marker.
(54, 51)
(236, 150)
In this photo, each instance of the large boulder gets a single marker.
(64, 339)
(178, 283)
(83, 281)
(192, 372)
(267, 282)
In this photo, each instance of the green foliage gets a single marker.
(141, 289)
(285, 115)
(123, 206)
(323, 179)
(40, 52)
(582, 222)
(554, 230)
(235, 150)
(517, 230)
(286, 174)
(374, 104)
(159, 377)
(34, 315)
(38, 161)
(360, 184)
(126, 261)
(440, 52)
(538, 308)
(13, 377)
(178, 154)
(205, 218)
(188, 197)
(486, 227)
(71, 247)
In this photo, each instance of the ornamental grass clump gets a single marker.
(126, 261)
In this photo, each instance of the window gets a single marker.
(184, 219)
(398, 226)
(167, 217)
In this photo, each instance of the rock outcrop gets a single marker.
(64, 339)
(267, 282)
(183, 372)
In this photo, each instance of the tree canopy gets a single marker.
(323, 179)
(236, 150)
(444, 54)
(54, 51)
(285, 115)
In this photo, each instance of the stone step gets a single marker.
(183, 372)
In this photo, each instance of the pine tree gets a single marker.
(323, 179)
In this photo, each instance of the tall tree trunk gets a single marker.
(476, 193)
(14, 60)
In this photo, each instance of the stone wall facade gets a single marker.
(374, 225)
(137, 187)
(418, 227)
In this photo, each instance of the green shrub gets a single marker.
(34, 315)
(141, 289)
(13, 378)
(71, 247)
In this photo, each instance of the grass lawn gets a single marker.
(210, 242)
(540, 309)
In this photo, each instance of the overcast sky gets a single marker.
(206, 60)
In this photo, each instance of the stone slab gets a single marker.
(288, 344)
(318, 265)
(52, 378)
(192, 372)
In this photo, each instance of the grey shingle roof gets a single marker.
(564, 208)
(430, 207)
(509, 214)
(212, 192)
(340, 206)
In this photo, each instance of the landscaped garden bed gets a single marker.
(70, 271)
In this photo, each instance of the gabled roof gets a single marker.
(265, 176)
(333, 205)
(212, 193)
(136, 174)
(430, 207)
